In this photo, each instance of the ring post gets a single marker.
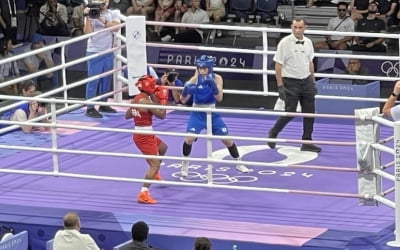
(117, 64)
(396, 242)
(368, 159)
(54, 146)
(136, 50)
(209, 148)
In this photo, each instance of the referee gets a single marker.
(294, 71)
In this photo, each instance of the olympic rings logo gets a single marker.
(136, 34)
(221, 179)
(390, 69)
(221, 175)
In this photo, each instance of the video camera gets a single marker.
(95, 7)
(171, 75)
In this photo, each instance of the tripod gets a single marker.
(31, 16)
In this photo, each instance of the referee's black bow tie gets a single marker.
(300, 42)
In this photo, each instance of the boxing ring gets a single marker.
(289, 199)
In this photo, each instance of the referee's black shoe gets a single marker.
(271, 135)
(310, 148)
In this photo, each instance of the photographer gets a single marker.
(100, 42)
(25, 112)
(170, 78)
(53, 19)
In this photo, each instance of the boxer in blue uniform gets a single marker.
(206, 89)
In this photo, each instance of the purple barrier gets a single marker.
(325, 87)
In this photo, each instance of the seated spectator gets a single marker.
(121, 5)
(195, 15)
(370, 24)
(70, 238)
(34, 63)
(78, 20)
(53, 19)
(358, 9)
(354, 68)
(340, 23)
(215, 11)
(25, 112)
(202, 243)
(141, 7)
(310, 3)
(8, 70)
(140, 232)
(181, 6)
(170, 78)
(164, 10)
(387, 10)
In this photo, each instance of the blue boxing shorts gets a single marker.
(198, 121)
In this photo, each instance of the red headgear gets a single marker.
(146, 84)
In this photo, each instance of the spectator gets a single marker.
(294, 69)
(215, 11)
(70, 238)
(181, 6)
(78, 20)
(202, 243)
(354, 68)
(25, 112)
(170, 78)
(140, 232)
(35, 63)
(358, 9)
(164, 10)
(195, 15)
(8, 19)
(370, 24)
(121, 5)
(99, 43)
(141, 7)
(340, 23)
(148, 144)
(387, 10)
(8, 70)
(53, 19)
(310, 3)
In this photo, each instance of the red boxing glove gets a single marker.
(162, 94)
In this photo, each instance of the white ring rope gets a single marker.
(75, 104)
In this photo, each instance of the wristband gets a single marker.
(394, 94)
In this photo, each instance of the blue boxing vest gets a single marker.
(204, 94)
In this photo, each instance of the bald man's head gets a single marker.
(71, 221)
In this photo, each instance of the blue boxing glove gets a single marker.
(189, 89)
(214, 88)
(211, 83)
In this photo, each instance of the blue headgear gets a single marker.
(205, 61)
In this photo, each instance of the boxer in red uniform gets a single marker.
(143, 119)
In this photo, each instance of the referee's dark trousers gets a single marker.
(302, 90)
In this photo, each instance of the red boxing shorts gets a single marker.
(147, 144)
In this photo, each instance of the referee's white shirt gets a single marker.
(72, 239)
(295, 58)
(395, 112)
